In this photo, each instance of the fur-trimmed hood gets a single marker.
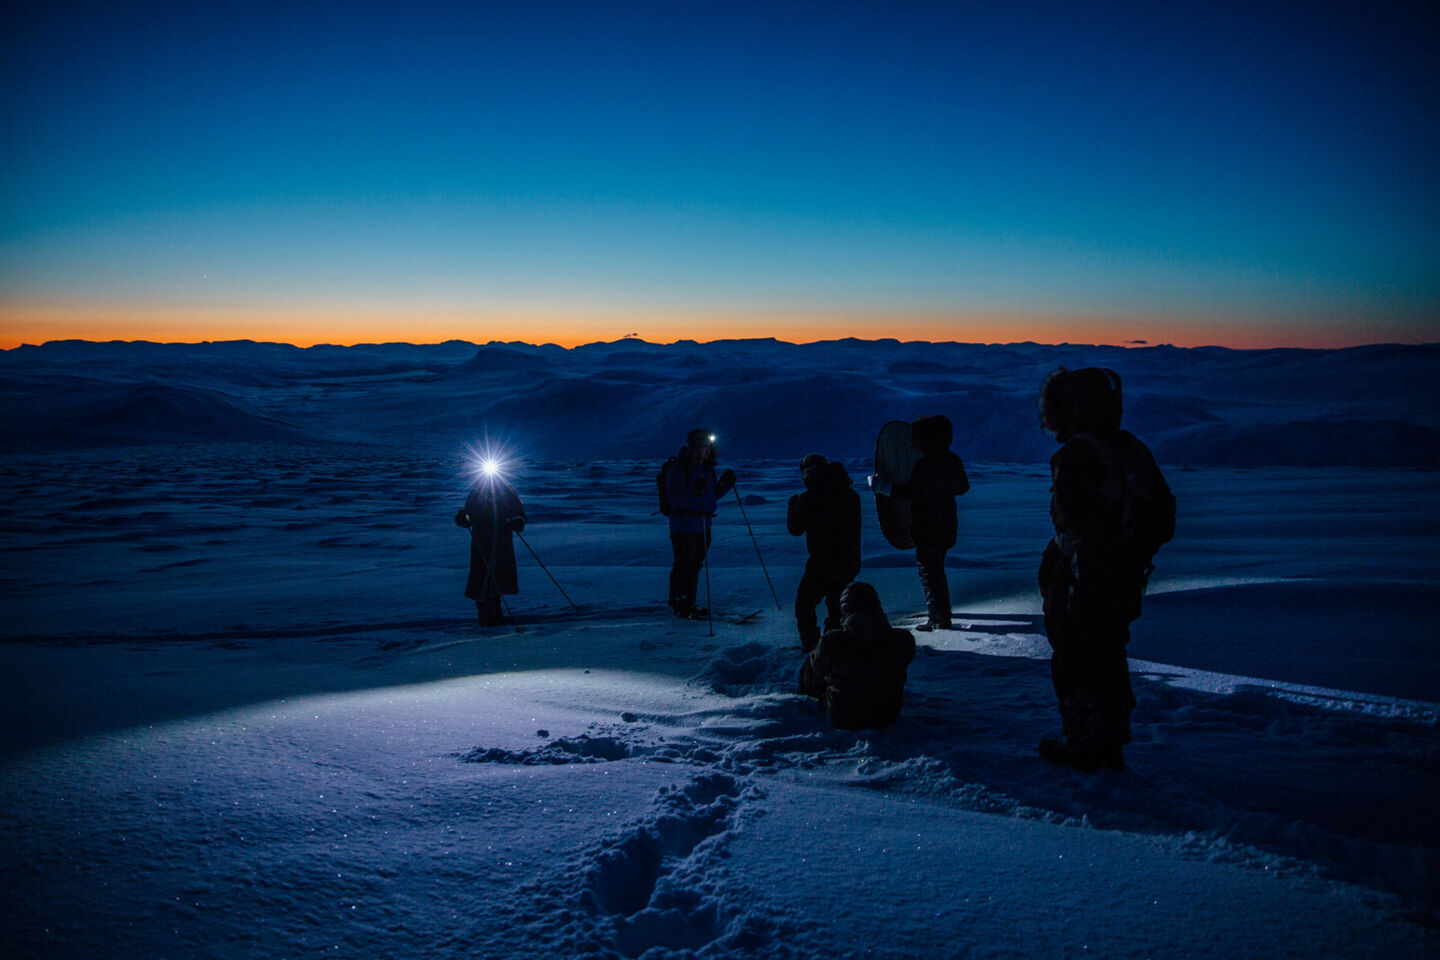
(1081, 401)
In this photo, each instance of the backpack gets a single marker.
(1141, 499)
(662, 481)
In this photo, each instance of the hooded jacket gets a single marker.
(863, 664)
(1091, 473)
(828, 514)
(938, 478)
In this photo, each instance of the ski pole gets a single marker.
(757, 548)
(490, 581)
(547, 570)
(509, 613)
(709, 605)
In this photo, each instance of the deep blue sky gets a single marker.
(1191, 172)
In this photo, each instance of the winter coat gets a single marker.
(863, 669)
(1092, 550)
(492, 512)
(693, 492)
(828, 514)
(938, 478)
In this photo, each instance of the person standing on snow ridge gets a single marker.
(937, 479)
(492, 512)
(693, 491)
(857, 671)
(1111, 509)
(828, 514)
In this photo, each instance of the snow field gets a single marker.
(247, 714)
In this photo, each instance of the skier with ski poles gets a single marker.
(691, 490)
(492, 512)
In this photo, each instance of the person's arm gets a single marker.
(795, 515)
(920, 482)
(959, 482)
(821, 656)
(516, 520)
(725, 484)
(1076, 508)
(904, 645)
(465, 516)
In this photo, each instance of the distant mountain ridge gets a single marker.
(1366, 406)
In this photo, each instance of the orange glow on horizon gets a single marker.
(22, 323)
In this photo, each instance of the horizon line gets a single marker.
(1136, 344)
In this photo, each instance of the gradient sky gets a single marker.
(1246, 174)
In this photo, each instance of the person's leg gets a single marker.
(931, 563)
(1092, 683)
(689, 559)
(1072, 694)
(677, 569)
(807, 595)
(490, 612)
(834, 618)
(810, 683)
(1114, 702)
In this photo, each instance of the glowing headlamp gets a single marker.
(488, 462)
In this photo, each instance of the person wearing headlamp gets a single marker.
(693, 491)
(492, 513)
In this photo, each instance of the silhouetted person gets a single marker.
(857, 671)
(492, 512)
(938, 478)
(828, 514)
(1112, 509)
(692, 491)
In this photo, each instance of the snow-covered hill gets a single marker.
(1369, 406)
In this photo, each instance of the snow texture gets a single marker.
(247, 712)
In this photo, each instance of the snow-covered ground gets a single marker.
(246, 713)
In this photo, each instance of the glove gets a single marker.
(728, 477)
(880, 484)
(515, 523)
(462, 519)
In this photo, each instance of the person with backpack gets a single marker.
(858, 669)
(1112, 510)
(492, 513)
(689, 493)
(827, 513)
(936, 480)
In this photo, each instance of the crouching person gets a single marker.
(857, 672)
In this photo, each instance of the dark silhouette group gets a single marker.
(1110, 506)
